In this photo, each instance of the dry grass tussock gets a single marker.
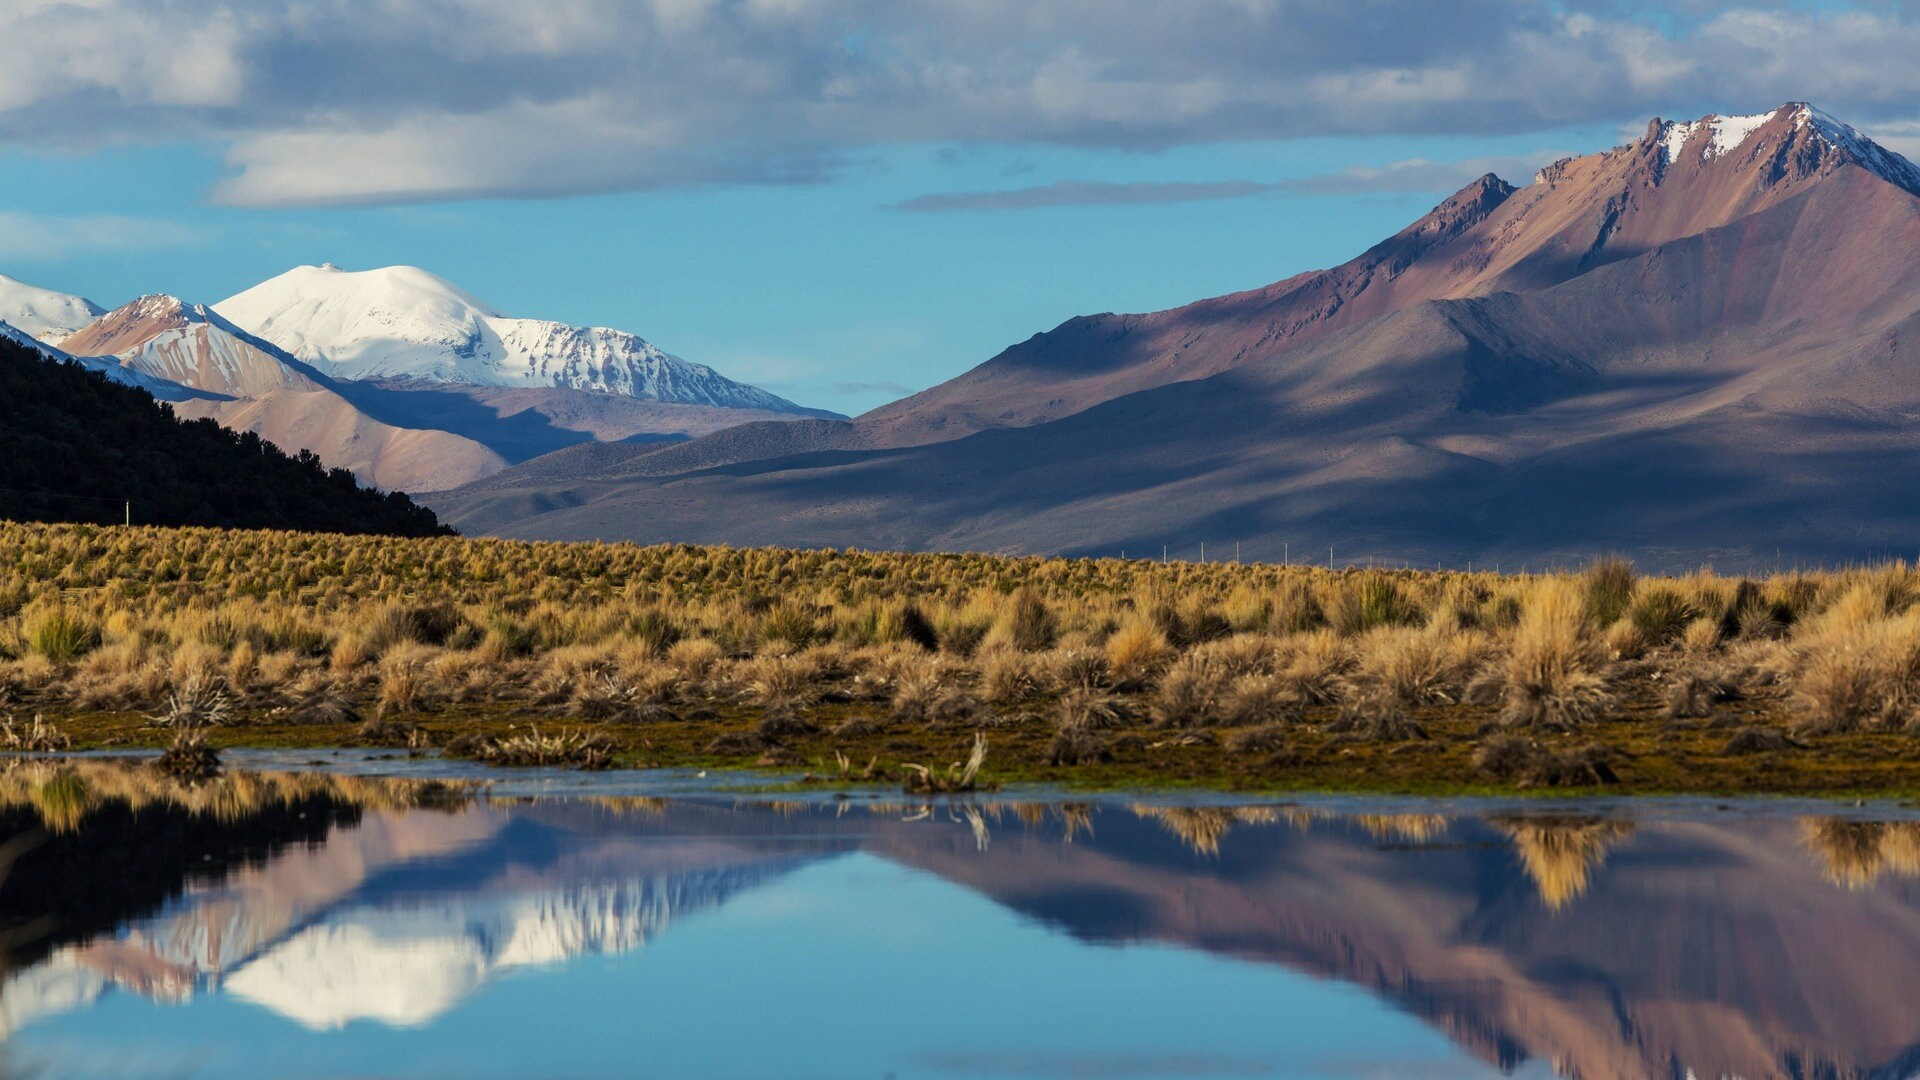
(1553, 673)
(204, 628)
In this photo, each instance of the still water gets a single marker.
(333, 927)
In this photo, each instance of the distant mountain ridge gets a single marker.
(1581, 213)
(249, 385)
(165, 337)
(401, 322)
(401, 377)
(1694, 346)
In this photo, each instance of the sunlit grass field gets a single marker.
(857, 666)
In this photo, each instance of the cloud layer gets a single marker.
(47, 236)
(349, 101)
(1087, 193)
(1411, 175)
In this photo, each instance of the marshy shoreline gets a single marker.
(953, 672)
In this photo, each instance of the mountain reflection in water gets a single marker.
(400, 922)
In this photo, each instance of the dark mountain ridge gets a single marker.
(75, 446)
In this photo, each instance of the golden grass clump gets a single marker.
(532, 748)
(404, 680)
(1137, 652)
(1859, 662)
(1315, 666)
(1552, 676)
(1026, 622)
(1419, 666)
(35, 736)
(781, 679)
(1189, 693)
(1259, 698)
(1008, 677)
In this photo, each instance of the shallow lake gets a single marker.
(338, 926)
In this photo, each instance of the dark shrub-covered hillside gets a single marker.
(74, 446)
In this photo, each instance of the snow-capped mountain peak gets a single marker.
(1865, 152)
(1795, 139)
(42, 313)
(402, 322)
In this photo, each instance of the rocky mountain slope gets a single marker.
(1693, 346)
(251, 386)
(1680, 179)
(185, 343)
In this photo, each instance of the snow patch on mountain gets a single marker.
(1724, 133)
(1731, 131)
(44, 314)
(1673, 139)
(401, 322)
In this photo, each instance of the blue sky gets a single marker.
(841, 200)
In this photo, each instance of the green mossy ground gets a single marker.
(1650, 754)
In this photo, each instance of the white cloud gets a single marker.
(1420, 174)
(1411, 175)
(34, 236)
(1088, 193)
(346, 101)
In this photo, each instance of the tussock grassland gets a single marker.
(1095, 671)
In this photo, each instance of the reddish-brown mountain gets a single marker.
(1692, 346)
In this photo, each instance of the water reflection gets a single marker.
(417, 929)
